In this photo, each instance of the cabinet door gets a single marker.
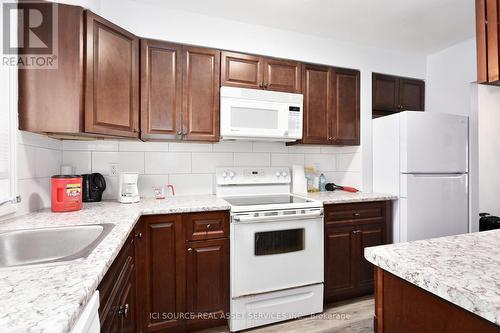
(282, 75)
(207, 281)
(340, 262)
(112, 79)
(160, 273)
(385, 92)
(368, 235)
(241, 70)
(201, 83)
(161, 90)
(411, 94)
(317, 89)
(127, 310)
(346, 111)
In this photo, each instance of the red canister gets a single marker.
(66, 193)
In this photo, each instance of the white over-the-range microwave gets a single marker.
(251, 114)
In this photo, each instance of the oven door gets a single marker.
(253, 119)
(275, 253)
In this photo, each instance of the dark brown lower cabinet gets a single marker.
(117, 311)
(403, 307)
(349, 228)
(182, 284)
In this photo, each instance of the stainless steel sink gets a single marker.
(48, 245)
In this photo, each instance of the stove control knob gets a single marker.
(224, 174)
(231, 174)
(284, 173)
(278, 174)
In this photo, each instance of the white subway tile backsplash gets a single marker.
(192, 183)
(303, 149)
(26, 161)
(340, 150)
(208, 162)
(81, 161)
(269, 147)
(233, 146)
(142, 146)
(252, 159)
(146, 183)
(286, 160)
(95, 145)
(35, 195)
(38, 140)
(48, 162)
(323, 162)
(167, 163)
(193, 147)
(127, 162)
(349, 162)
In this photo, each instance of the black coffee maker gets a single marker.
(93, 185)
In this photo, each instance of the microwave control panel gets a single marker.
(295, 122)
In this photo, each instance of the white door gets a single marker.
(433, 206)
(433, 142)
(269, 256)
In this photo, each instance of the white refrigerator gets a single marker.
(422, 157)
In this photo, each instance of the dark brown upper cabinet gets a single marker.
(256, 72)
(200, 91)
(161, 90)
(179, 92)
(346, 107)
(391, 94)
(112, 79)
(331, 105)
(102, 101)
(487, 42)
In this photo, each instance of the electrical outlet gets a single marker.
(113, 169)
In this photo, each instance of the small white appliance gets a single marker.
(276, 240)
(251, 114)
(128, 191)
(422, 157)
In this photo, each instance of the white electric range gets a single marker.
(276, 251)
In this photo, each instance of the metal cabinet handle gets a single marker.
(357, 214)
(261, 85)
(179, 132)
(356, 231)
(190, 250)
(265, 85)
(209, 226)
(123, 310)
(139, 235)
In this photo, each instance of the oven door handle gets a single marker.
(277, 218)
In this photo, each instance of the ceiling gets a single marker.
(418, 26)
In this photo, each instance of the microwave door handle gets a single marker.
(249, 219)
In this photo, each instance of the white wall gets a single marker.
(190, 167)
(449, 75)
(184, 27)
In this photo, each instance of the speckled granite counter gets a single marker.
(462, 269)
(337, 197)
(50, 298)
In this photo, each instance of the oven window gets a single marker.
(280, 241)
(254, 118)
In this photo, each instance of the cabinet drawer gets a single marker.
(355, 211)
(207, 225)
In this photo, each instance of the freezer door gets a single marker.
(433, 142)
(433, 206)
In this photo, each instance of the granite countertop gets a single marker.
(50, 297)
(462, 269)
(337, 197)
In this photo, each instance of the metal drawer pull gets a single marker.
(209, 226)
(123, 310)
(357, 214)
(356, 231)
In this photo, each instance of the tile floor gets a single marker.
(353, 316)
